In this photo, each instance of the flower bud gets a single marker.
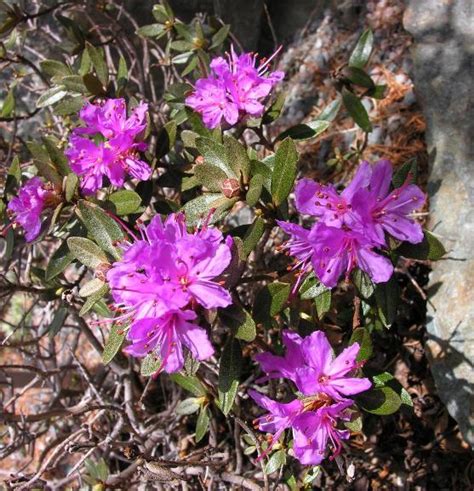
(230, 188)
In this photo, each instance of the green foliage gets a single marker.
(229, 372)
(284, 171)
(101, 227)
(113, 344)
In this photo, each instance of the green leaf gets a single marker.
(253, 235)
(199, 208)
(92, 287)
(189, 383)
(150, 365)
(409, 168)
(159, 13)
(100, 307)
(51, 96)
(229, 372)
(386, 397)
(359, 77)
(386, 296)
(8, 104)
(56, 155)
(210, 176)
(355, 424)
(262, 169)
(363, 283)
(356, 110)
(220, 36)
(239, 321)
(188, 406)
(113, 344)
(215, 154)
(57, 322)
(277, 460)
(85, 251)
(430, 248)
(102, 227)
(93, 299)
(270, 300)
(330, 112)
(54, 68)
(166, 139)
(323, 303)
(362, 336)
(70, 186)
(274, 111)
(93, 84)
(237, 157)
(284, 171)
(305, 131)
(102, 470)
(125, 202)
(255, 190)
(43, 163)
(69, 105)
(74, 83)
(382, 401)
(122, 75)
(311, 288)
(378, 92)
(13, 176)
(59, 261)
(98, 61)
(361, 53)
(188, 138)
(202, 424)
(152, 31)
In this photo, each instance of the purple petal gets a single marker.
(360, 180)
(378, 267)
(209, 294)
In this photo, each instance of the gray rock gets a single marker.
(443, 68)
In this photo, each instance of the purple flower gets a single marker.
(309, 363)
(384, 210)
(235, 88)
(160, 280)
(166, 335)
(323, 385)
(352, 224)
(116, 154)
(337, 251)
(26, 208)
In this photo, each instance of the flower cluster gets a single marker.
(322, 401)
(113, 149)
(235, 88)
(26, 208)
(159, 282)
(351, 224)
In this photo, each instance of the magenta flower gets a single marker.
(26, 208)
(312, 356)
(352, 224)
(323, 387)
(337, 251)
(161, 278)
(313, 422)
(116, 154)
(384, 210)
(235, 88)
(166, 335)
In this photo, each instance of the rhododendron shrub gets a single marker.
(154, 228)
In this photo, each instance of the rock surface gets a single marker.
(443, 68)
